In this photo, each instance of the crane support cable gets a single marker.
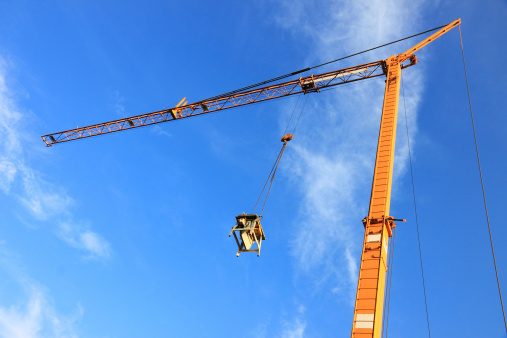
(415, 209)
(482, 181)
(317, 66)
(388, 281)
(391, 264)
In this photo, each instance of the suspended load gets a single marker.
(250, 234)
(249, 225)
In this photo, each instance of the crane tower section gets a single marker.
(367, 322)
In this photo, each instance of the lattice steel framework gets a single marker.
(313, 83)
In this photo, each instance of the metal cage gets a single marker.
(250, 234)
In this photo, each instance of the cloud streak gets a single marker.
(35, 316)
(333, 156)
(41, 198)
(81, 238)
(296, 327)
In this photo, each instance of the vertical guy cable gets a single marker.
(482, 182)
(384, 312)
(415, 208)
(390, 279)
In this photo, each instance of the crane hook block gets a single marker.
(287, 137)
(250, 233)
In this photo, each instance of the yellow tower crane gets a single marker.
(367, 322)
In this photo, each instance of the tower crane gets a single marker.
(379, 225)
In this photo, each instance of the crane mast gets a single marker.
(378, 224)
(368, 310)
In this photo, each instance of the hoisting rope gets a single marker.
(295, 106)
(281, 77)
(293, 131)
(415, 207)
(482, 182)
(273, 176)
(272, 173)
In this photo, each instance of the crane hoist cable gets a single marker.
(285, 139)
(271, 177)
(291, 115)
(248, 229)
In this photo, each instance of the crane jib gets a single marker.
(284, 89)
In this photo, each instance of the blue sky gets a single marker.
(125, 235)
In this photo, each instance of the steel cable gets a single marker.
(387, 288)
(302, 109)
(273, 176)
(295, 106)
(415, 209)
(390, 280)
(482, 181)
(269, 176)
(281, 77)
(279, 157)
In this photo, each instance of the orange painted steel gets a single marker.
(370, 291)
(305, 85)
(405, 56)
(368, 310)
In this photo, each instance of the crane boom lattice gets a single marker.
(305, 85)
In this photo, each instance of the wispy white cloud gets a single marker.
(117, 103)
(7, 174)
(81, 238)
(42, 199)
(332, 157)
(157, 130)
(10, 144)
(34, 316)
(295, 328)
